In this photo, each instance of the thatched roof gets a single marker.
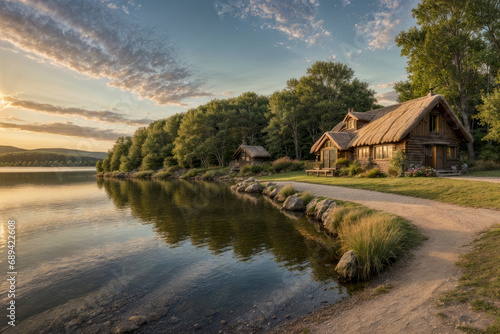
(393, 123)
(253, 151)
(340, 139)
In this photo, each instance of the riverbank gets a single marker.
(403, 299)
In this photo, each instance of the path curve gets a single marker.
(410, 306)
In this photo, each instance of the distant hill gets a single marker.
(14, 156)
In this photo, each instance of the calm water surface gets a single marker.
(183, 255)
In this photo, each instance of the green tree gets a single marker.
(444, 51)
(98, 166)
(489, 114)
(135, 151)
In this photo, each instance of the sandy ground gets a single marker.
(410, 306)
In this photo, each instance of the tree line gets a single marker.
(287, 123)
(44, 159)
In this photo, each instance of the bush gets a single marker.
(342, 161)
(341, 216)
(174, 168)
(306, 197)
(162, 174)
(377, 240)
(400, 162)
(486, 165)
(286, 164)
(285, 192)
(375, 172)
(368, 165)
(145, 174)
(344, 171)
(192, 173)
(254, 169)
(420, 172)
(354, 168)
(214, 173)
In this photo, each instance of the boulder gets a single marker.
(347, 266)
(293, 203)
(234, 187)
(138, 319)
(270, 184)
(325, 215)
(321, 207)
(250, 179)
(275, 192)
(267, 190)
(241, 189)
(253, 188)
(310, 207)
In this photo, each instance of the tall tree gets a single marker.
(443, 52)
(489, 114)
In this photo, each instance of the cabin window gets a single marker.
(434, 123)
(363, 152)
(451, 152)
(383, 152)
(351, 124)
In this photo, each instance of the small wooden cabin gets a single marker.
(426, 129)
(249, 155)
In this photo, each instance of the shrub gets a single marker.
(392, 171)
(400, 162)
(486, 165)
(342, 161)
(174, 168)
(306, 197)
(375, 172)
(377, 241)
(344, 171)
(192, 173)
(420, 172)
(286, 164)
(343, 216)
(309, 164)
(285, 192)
(368, 165)
(354, 168)
(145, 174)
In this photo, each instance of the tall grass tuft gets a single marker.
(285, 192)
(306, 197)
(377, 240)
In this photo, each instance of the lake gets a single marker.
(176, 256)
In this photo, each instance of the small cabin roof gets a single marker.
(340, 139)
(253, 151)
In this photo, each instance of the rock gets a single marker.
(250, 179)
(138, 319)
(241, 189)
(268, 189)
(347, 266)
(275, 317)
(223, 322)
(321, 207)
(125, 328)
(253, 188)
(173, 320)
(311, 297)
(209, 312)
(311, 206)
(274, 192)
(270, 184)
(234, 187)
(325, 215)
(287, 316)
(293, 203)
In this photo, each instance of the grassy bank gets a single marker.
(376, 238)
(479, 287)
(461, 192)
(486, 173)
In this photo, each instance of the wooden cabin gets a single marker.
(426, 129)
(249, 155)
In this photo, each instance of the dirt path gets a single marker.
(493, 179)
(410, 306)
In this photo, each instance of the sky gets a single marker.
(78, 74)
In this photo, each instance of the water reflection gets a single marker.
(210, 215)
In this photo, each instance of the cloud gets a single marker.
(384, 24)
(90, 38)
(387, 98)
(345, 3)
(66, 129)
(102, 116)
(297, 19)
(387, 85)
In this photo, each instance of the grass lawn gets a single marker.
(490, 173)
(479, 286)
(477, 194)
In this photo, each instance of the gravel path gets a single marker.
(410, 306)
(493, 179)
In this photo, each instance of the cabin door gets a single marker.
(429, 156)
(439, 154)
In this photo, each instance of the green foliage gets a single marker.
(162, 174)
(98, 166)
(354, 168)
(400, 162)
(145, 174)
(375, 172)
(193, 172)
(489, 114)
(249, 170)
(342, 161)
(45, 158)
(420, 172)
